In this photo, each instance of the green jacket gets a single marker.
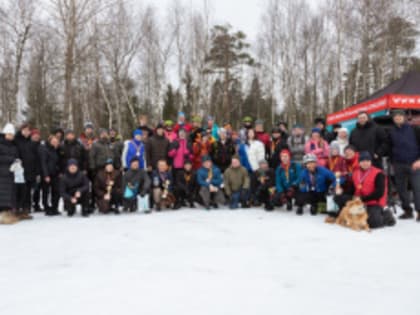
(236, 179)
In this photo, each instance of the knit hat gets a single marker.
(109, 162)
(275, 130)
(365, 156)
(205, 158)
(169, 123)
(316, 130)
(286, 151)
(308, 158)
(247, 119)
(259, 122)
(88, 124)
(319, 120)
(334, 146)
(181, 114)
(9, 129)
(298, 126)
(137, 132)
(72, 162)
(196, 119)
(343, 129)
(398, 112)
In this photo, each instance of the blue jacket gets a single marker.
(132, 150)
(282, 184)
(405, 146)
(203, 173)
(323, 179)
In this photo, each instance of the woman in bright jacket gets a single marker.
(134, 148)
(180, 151)
(318, 147)
(251, 152)
(287, 180)
(170, 134)
(200, 147)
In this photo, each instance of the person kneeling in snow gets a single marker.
(314, 184)
(236, 184)
(263, 184)
(370, 185)
(163, 186)
(108, 189)
(135, 182)
(74, 189)
(186, 186)
(210, 180)
(287, 180)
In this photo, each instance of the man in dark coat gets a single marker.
(29, 156)
(405, 153)
(108, 188)
(157, 148)
(74, 189)
(50, 170)
(71, 148)
(8, 154)
(263, 185)
(367, 136)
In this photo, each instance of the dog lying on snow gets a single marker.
(353, 216)
(8, 217)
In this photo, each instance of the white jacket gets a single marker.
(256, 153)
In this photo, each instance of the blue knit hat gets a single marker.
(137, 132)
(316, 130)
(72, 162)
(365, 156)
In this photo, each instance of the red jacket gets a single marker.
(364, 183)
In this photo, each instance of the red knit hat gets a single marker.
(285, 151)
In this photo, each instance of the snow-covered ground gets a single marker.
(197, 262)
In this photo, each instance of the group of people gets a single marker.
(185, 164)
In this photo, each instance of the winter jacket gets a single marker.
(117, 146)
(371, 138)
(180, 151)
(171, 135)
(186, 126)
(158, 179)
(157, 148)
(137, 178)
(284, 181)
(337, 164)
(102, 180)
(297, 147)
(187, 182)
(405, 144)
(276, 146)
(215, 180)
(134, 149)
(251, 154)
(221, 153)
(318, 182)
(269, 179)
(321, 151)
(29, 156)
(101, 152)
(72, 150)
(371, 186)
(71, 183)
(199, 149)
(8, 154)
(236, 179)
(50, 160)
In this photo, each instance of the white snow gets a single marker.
(197, 262)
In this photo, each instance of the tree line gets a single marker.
(65, 62)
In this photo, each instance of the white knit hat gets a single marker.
(9, 129)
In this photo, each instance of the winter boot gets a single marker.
(85, 213)
(408, 214)
(314, 210)
(289, 206)
(299, 210)
(70, 213)
(389, 219)
(269, 207)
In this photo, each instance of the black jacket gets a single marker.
(72, 150)
(371, 138)
(221, 153)
(186, 182)
(101, 151)
(50, 160)
(275, 149)
(157, 148)
(29, 156)
(8, 154)
(71, 183)
(270, 179)
(137, 177)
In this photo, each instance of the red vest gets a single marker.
(364, 182)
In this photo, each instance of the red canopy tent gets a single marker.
(403, 93)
